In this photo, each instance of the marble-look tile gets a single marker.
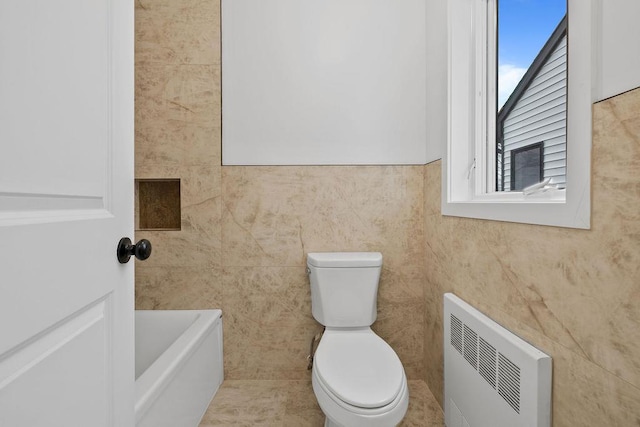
(423, 410)
(246, 403)
(261, 219)
(400, 316)
(574, 293)
(268, 322)
(274, 215)
(495, 262)
(401, 285)
(292, 404)
(177, 143)
(586, 394)
(198, 184)
(184, 93)
(433, 338)
(198, 242)
(172, 32)
(178, 288)
(550, 286)
(615, 344)
(177, 115)
(555, 281)
(583, 392)
(302, 408)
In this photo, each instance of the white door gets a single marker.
(66, 194)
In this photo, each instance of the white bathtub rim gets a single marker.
(157, 377)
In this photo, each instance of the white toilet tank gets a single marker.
(344, 287)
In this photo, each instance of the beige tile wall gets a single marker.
(178, 136)
(246, 230)
(573, 293)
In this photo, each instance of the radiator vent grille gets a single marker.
(497, 370)
(471, 346)
(456, 333)
(509, 382)
(487, 363)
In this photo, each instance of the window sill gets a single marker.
(546, 196)
(537, 209)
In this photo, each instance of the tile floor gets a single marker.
(261, 403)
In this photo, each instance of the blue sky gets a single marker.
(523, 28)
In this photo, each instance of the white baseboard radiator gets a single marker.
(492, 378)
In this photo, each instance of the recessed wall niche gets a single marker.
(158, 204)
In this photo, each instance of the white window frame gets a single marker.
(468, 182)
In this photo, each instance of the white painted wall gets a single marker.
(619, 62)
(437, 79)
(324, 82)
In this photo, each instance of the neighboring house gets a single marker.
(531, 126)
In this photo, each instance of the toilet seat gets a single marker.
(359, 368)
(323, 394)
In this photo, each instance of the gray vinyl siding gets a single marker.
(540, 116)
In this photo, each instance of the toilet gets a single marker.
(357, 378)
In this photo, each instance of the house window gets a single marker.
(527, 166)
(532, 87)
(479, 150)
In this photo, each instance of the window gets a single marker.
(477, 161)
(532, 86)
(526, 166)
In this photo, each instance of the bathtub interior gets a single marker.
(179, 366)
(155, 334)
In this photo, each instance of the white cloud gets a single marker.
(508, 78)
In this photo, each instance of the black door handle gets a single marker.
(141, 250)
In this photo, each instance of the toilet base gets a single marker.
(329, 423)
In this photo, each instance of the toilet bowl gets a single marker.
(357, 378)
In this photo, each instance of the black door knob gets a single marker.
(141, 250)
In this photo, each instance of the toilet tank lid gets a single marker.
(345, 259)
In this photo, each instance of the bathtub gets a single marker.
(178, 365)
